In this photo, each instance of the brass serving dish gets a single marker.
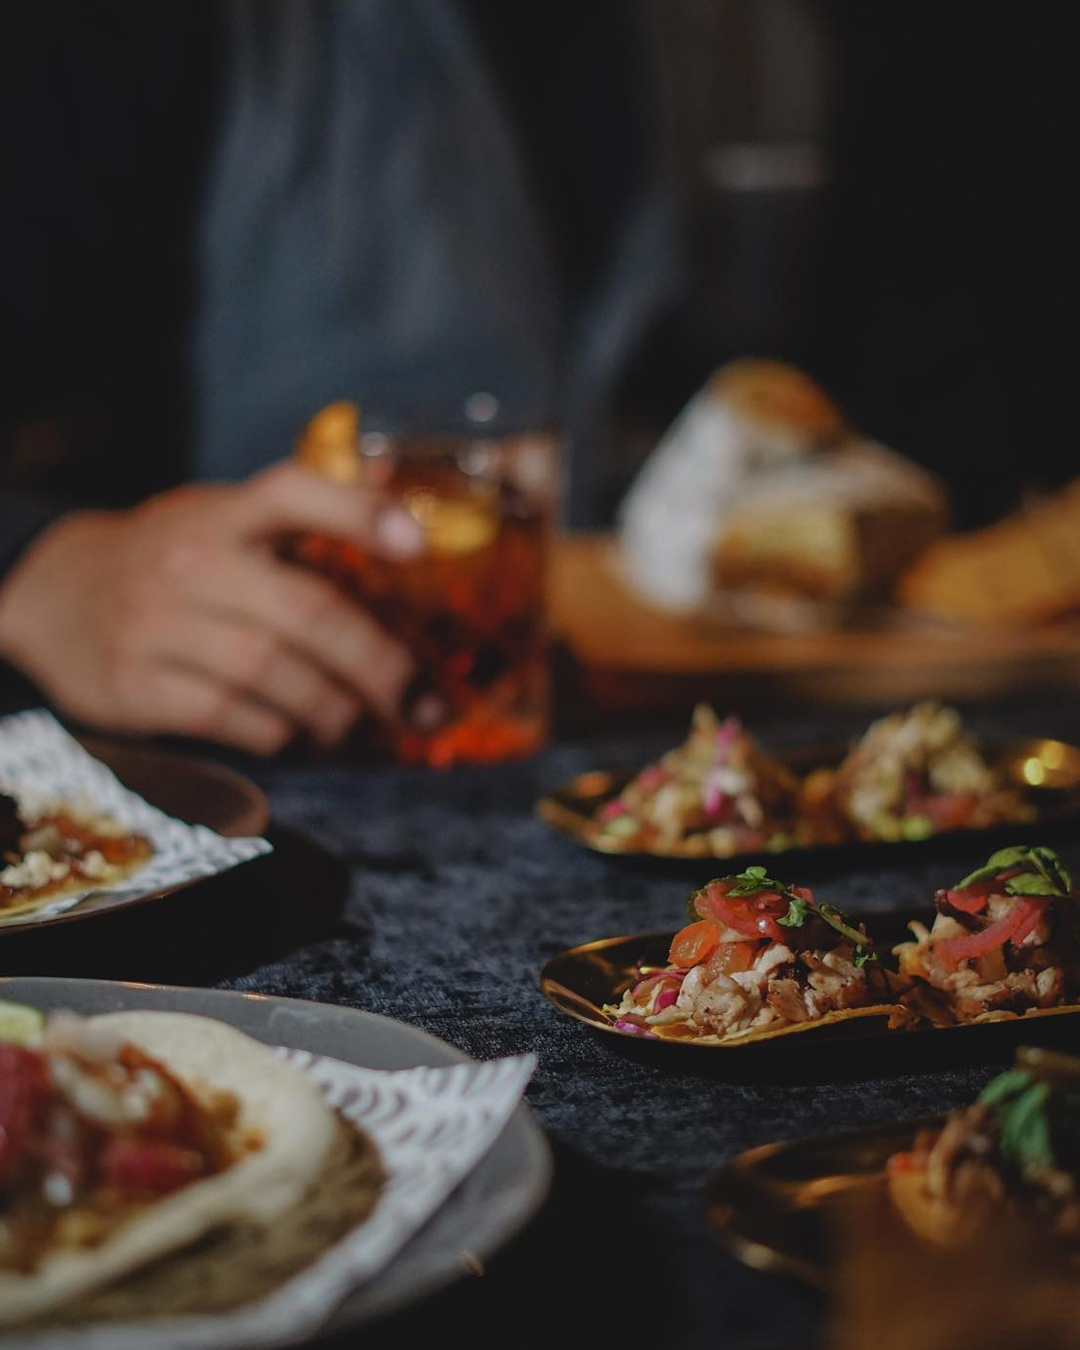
(774, 1207)
(580, 981)
(1047, 771)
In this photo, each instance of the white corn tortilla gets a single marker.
(287, 1109)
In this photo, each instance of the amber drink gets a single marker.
(471, 607)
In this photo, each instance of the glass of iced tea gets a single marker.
(471, 607)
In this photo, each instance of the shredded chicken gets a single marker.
(780, 986)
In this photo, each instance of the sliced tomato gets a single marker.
(24, 1089)
(694, 943)
(770, 902)
(730, 957)
(741, 915)
(149, 1165)
(735, 914)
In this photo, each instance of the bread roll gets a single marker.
(1025, 569)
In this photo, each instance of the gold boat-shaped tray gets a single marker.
(775, 1207)
(579, 982)
(1055, 796)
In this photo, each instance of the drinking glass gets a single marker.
(471, 607)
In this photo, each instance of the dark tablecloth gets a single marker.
(435, 898)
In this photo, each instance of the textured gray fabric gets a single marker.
(435, 898)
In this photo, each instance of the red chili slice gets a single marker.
(955, 950)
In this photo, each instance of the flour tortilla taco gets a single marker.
(126, 1137)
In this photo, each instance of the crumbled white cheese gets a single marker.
(95, 867)
(58, 1190)
(36, 869)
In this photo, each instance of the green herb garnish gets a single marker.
(1020, 1103)
(753, 881)
(798, 912)
(916, 827)
(863, 950)
(1044, 873)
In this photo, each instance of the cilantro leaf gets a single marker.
(1042, 861)
(1025, 1130)
(1051, 866)
(839, 924)
(864, 954)
(1006, 1084)
(798, 912)
(754, 880)
(1032, 883)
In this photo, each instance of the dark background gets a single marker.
(921, 275)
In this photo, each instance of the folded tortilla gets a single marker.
(282, 1105)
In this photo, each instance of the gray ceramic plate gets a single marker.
(494, 1202)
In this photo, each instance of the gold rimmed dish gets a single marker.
(579, 982)
(776, 1207)
(1046, 770)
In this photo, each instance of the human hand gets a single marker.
(178, 616)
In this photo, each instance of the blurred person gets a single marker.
(222, 216)
(278, 204)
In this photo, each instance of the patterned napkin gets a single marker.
(431, 1127)
(39, 760)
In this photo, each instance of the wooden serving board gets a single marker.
(625, 655)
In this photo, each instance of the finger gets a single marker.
(288, 497)
(311, 615)
(255, 661)
(186, 702)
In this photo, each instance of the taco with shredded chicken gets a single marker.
(1004, 943)
(759, 958)
(918, 773)
(717, 793)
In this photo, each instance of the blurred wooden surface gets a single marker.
(623, 655)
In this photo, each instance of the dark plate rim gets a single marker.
(95, 905)
(759, 1254)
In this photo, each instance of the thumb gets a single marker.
(288, 497)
